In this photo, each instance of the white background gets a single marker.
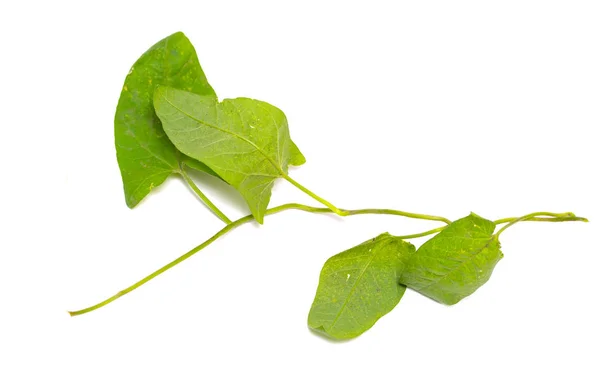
(441, 107)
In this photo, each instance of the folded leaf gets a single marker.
(456, 262)
(359, 286)
(245, 141)
(146, 156)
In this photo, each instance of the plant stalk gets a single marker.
(203, 197)
(242, 221)
(565, 218)
(556, 217)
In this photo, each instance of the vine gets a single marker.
(169, 120)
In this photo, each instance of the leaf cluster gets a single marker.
(168, 118)
(360, 285)
(169, 121)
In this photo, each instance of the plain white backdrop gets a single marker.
(440, 107)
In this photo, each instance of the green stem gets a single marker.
(244, 220)
(556, 217)
(203, 197)
(396, 213)
(542, 219)
(164, 268)
(332, 207)
(428, 232)
(345, 212)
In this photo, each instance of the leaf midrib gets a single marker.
(277, 167)
(339, 314)
(460, 265)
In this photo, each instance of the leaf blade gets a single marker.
(145, 155)
(456, 262)
(359, 286)
(245, 141)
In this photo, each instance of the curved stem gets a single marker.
(424, 234)
(242, 221)
(203, 197)
(542, 219)
(345, 212)
(396, 213)
(333, 208)
(164, 268)
(557, 217)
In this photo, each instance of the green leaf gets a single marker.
(243, 140)
(146, 156)
(296, 157)
(456, 262)
(195, 164)
(358, 286)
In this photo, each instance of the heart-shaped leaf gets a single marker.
(145, 155)
(456, 262)
(359, 286)
(245, 141)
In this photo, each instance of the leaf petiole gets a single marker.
(332, 207)
(344, 212)
(203, 197)
(424, 234)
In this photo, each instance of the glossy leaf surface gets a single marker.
(359, 286)
(456, 262)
